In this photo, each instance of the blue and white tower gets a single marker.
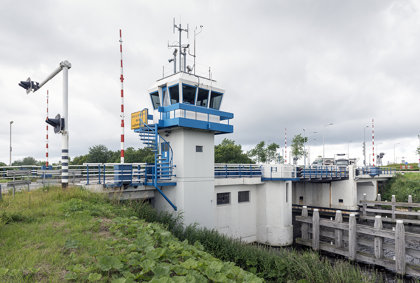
(180, 130)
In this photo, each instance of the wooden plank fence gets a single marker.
(395, 210)
(348, 240)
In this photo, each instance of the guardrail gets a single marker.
(323, 172)
(236, 170)
(393, 249)
(375, 171)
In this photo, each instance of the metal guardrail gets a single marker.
(323, 172)
(375, 171)
(236, 170)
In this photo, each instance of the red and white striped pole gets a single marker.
(285, 145)
(122, 102)
(373, 143)
(46, 146)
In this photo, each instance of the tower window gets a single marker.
(243, 196)
(223, 198)
(202, 97)
(216, 100)
(155, 99)
(188, 93)
(174, 92)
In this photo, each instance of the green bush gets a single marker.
(281, 265)
(401, 186)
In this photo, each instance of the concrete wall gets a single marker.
(194, 193)
(266, 218)
(336, 194)
(237, 220)
(370, 188)
(274, 213)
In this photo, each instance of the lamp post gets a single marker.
(323, 141)
(60, 124)
(395, 161)
(10, 152)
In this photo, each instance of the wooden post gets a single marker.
(305, 226)
(315, 230)
(364, 205)
(393, 207)
(338, 232)
(378, 198)
(378, 241)
(400, 247)
(352, 237)
(410, 201)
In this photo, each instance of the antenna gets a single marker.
(122, 102)
(195, 36)
(180, 46)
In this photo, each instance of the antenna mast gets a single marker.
(122, 102)
(373, 143)
(46, 146)
(180, 46)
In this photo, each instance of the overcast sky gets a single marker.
(284, 64)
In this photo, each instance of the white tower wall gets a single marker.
(193, 194)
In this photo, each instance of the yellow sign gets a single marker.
(139, 119)
(135, 120)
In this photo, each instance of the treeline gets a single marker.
(225, 152)
(101, 154)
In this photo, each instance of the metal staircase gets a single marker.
(162, 169)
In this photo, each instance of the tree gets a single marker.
(79, 160)
(298, 143)
(418, 150)
(25, 161)
(2, 164)
(229, 152)
(264, 154)
(141, 155)
(99, 154)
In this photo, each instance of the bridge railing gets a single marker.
(323, 172)
(375, 171)
(237, 170)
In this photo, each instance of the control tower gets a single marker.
(180, 130)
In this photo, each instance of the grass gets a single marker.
(281, 265)
(52, 235)
(401, 186)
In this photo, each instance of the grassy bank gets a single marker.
(53, 236)
(281, 265)
(401, 186)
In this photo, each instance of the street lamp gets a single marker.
(60, 123)
(10, 156)
(364, 145)
(323, 141)
(395, 161)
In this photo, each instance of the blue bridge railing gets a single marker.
(322, 172)
(237, 170)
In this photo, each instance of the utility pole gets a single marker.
(61, 123)
(364, 145)
(10, 153)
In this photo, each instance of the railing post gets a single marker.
(87, 174)
(364, 207)
(226, 171)
(99, 174)
(338, 232)
(410, 201)
(104, 173)
(378, 242)
(393, 207)
(315, 229)
(400, 247)
(352, 237)
(305, 226)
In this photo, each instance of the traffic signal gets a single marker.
(29, 85)
(57, 123)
